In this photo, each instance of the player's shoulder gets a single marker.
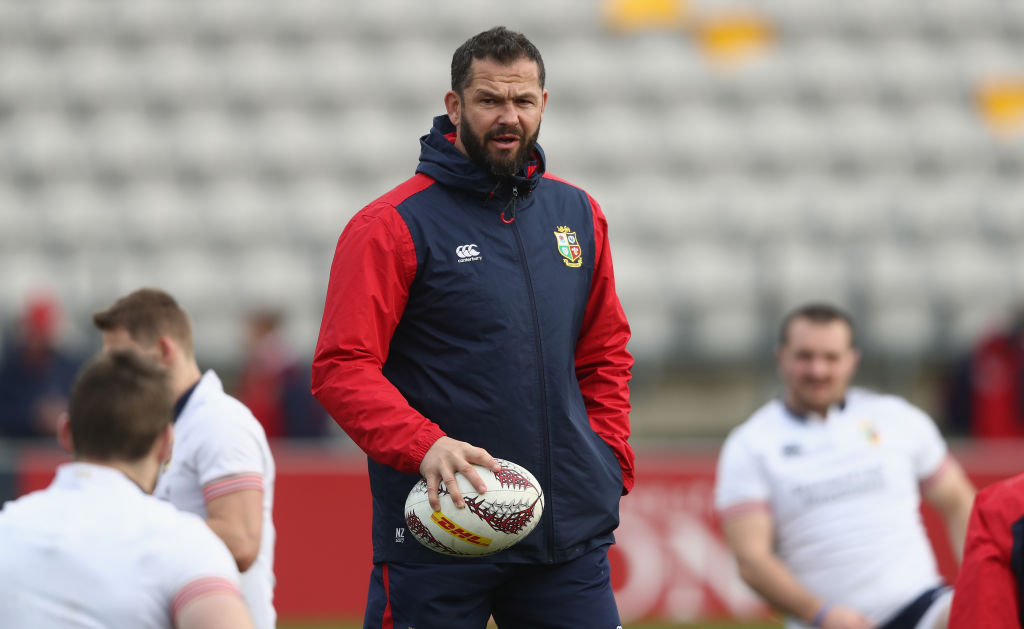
(764, 424)
(886, 406)
(766, 417)
(556, 180)
(38, 506)
(863, 396)
(399, 194)
(182, 537)
(17, 510)
(218, 411)
(556, 183)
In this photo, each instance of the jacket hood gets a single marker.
(440, 160)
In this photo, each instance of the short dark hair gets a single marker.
(147, 314)
(498, 43)
(119, 405)
(817, 312)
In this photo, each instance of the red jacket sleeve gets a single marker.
(374, 264)
(603, 363)
(986, 588)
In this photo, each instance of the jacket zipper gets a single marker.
(515, 197)
(549, 506)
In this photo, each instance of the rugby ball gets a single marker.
(490, 522)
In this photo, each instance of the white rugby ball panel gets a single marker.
(493, 521)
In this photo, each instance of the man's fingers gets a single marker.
(453, 490)
(446, 457)
(474, 478)
(490, 462)
(432, 498)
(483, 458)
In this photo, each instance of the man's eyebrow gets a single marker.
(487, 93)
(484, 92)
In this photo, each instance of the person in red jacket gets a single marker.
(471, 313)
(273, 384)
(991, 580)
(986, 393)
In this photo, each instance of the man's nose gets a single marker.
(508, 114)
(818, 368)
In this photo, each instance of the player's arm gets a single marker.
(952, 494)
(602, 361)
(234, 507)
(210, 603)
(217, 610)
(749, 533)
(374, 265)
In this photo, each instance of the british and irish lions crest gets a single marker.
(569, 246)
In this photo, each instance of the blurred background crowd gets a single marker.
(749, 155)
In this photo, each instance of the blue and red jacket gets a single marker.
(989, 590)
(484, 309)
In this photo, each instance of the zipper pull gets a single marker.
(515, 195)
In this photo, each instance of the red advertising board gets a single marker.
(670, 562)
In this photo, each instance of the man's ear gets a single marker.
(168, 350)
(453, 105)
(64, 433)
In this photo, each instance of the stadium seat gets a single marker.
(851, 158)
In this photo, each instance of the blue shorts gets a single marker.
(570, 595)
(910, 616)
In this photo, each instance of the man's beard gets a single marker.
(476, 148)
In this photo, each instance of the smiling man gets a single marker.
(818, 492)
(471, 313)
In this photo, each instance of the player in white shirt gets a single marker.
(222, 468)
(819, 491)
(94, 549)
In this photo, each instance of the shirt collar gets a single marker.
(179, 406)
(839, 406)
(79, 473)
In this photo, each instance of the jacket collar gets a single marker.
(440, 160)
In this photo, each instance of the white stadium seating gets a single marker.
(218, 147)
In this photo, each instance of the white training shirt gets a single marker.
(844, 496)
(93, 550)
(220, 448)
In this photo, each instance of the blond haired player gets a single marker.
(222, 468)
(94, 549)
(819, 491)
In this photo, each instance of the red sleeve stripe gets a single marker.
(198, 589)
(388, 622)
(231, 484)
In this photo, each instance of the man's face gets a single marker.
(498, 114)
(816, 364)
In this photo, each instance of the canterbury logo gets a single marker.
(467, 251)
